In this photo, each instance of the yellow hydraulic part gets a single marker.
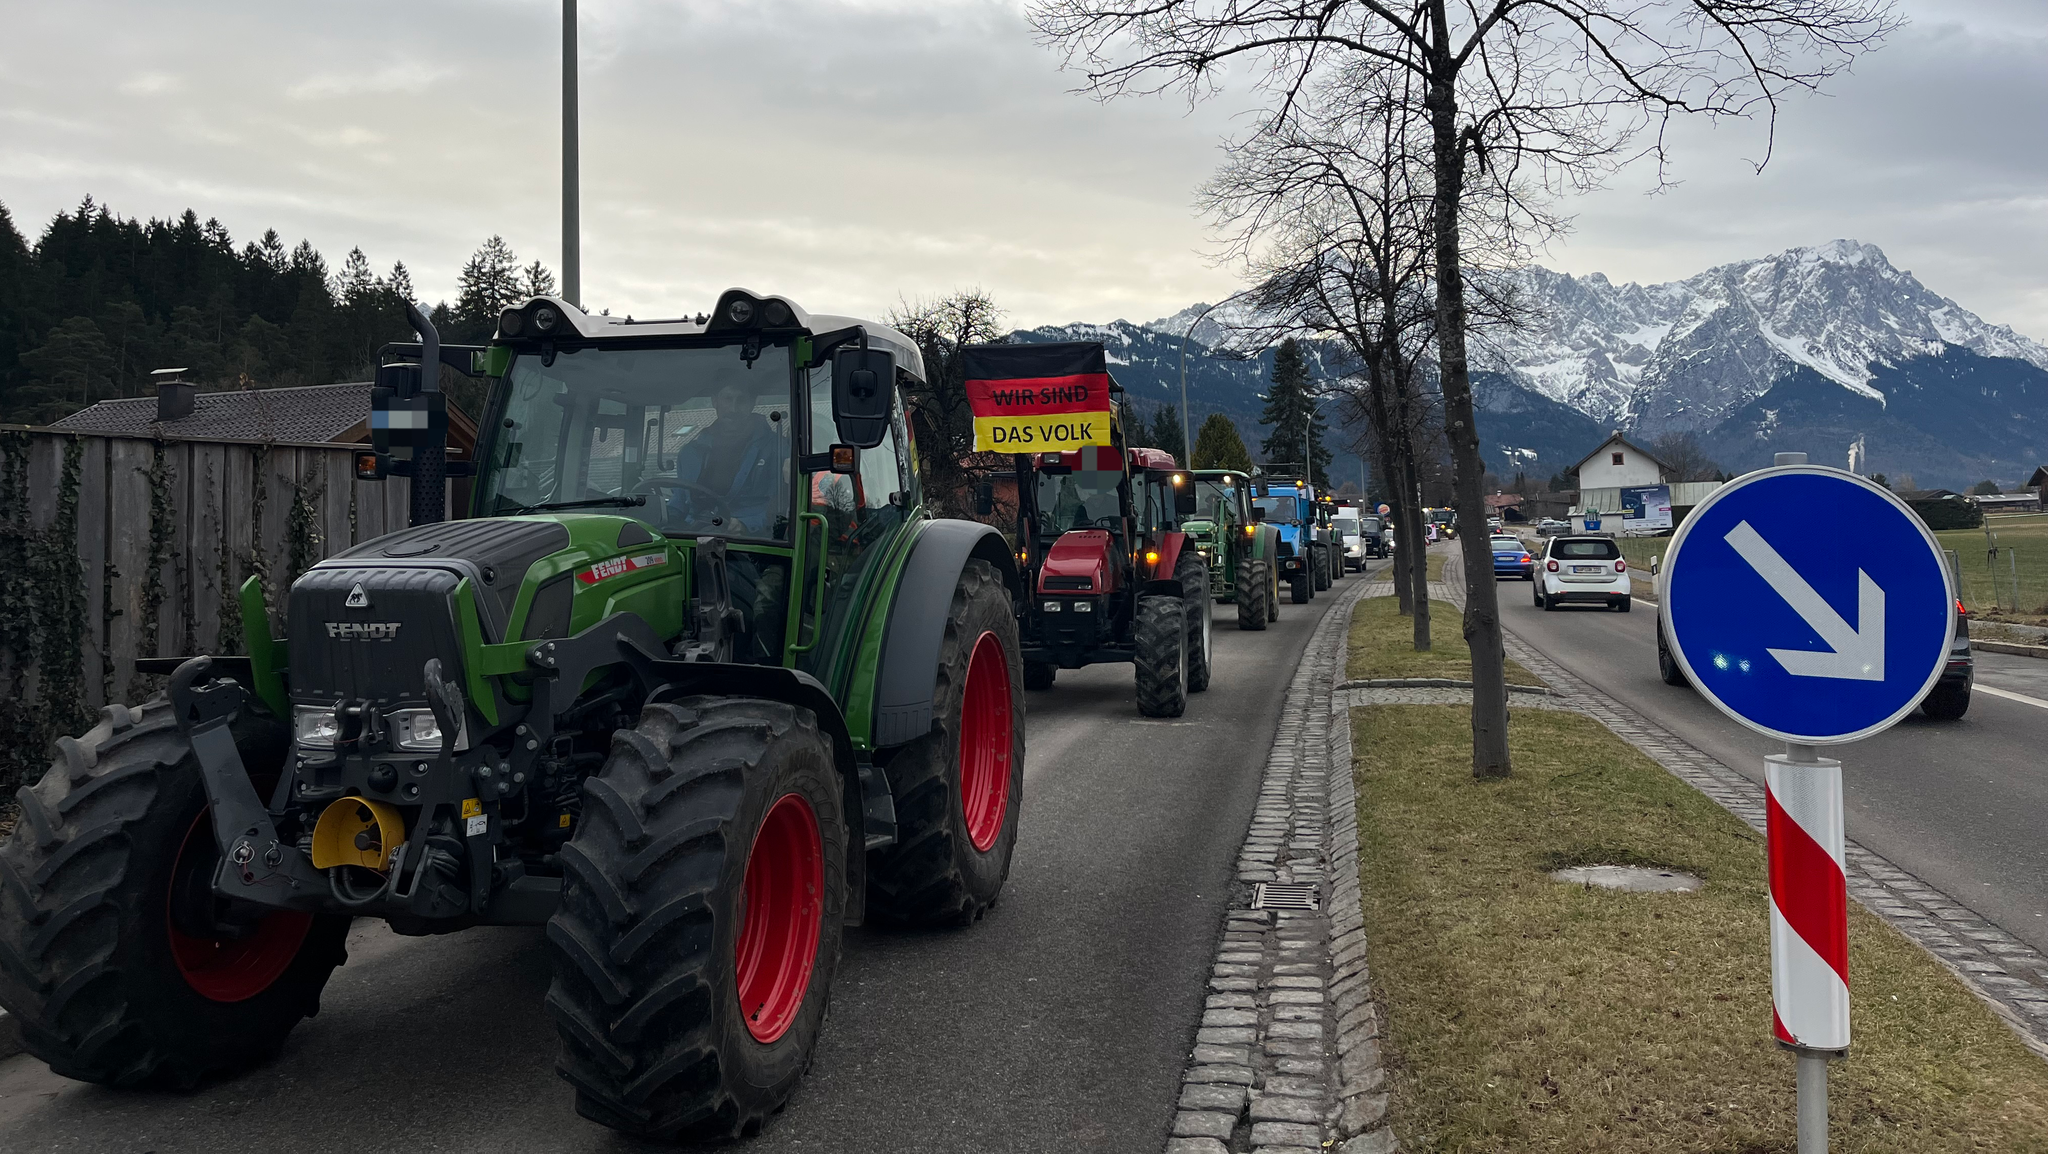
(358, 832)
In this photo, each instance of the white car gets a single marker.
(1588, 569)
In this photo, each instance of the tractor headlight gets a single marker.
(545, 319)
(417, 729)
(315, 725)
(511, 322)
(1084, 607)
(740, 311)
(1052, 607)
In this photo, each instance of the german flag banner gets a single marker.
(1038, 398)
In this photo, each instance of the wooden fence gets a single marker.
(119, 547)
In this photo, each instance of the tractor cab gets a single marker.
(1103, 522)
(1240, 550)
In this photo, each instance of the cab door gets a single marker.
(851, 527)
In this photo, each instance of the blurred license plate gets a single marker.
(1587, 568)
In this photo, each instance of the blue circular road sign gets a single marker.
(1809, 604)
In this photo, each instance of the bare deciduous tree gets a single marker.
(1556, 92)
(940, 417)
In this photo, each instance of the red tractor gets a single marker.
(1111, 575)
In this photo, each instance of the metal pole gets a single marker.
(429, 495)
(1187, 428)
(1813, 1104)
(572, 241)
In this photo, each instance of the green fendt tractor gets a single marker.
(1241, 551)
(748, 692)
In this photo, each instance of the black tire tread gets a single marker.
(84, 990)
(1160, 633)
(1193, 574)
(640, 968)
(926, 877)
(1251, 594)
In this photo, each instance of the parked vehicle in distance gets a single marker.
(1583, 569)
(1511, 558)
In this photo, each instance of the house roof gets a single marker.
(1503, 500)
(312, 414)
(2040, 476)
(1616, 438)
(1926, 494)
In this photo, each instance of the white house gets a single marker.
(1619, 464)
(1616, 465)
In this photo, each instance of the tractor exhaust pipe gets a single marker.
(429, 458)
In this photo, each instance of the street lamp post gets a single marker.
(1187, 428)
(572, 242)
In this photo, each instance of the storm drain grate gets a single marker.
(1283, 896)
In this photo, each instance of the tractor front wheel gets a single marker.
(959, 788)
(702, 897)
(119, 961)
(1320, 555)
(1194, 584)
(1252, 583)
(1162, 657)
(1038, 675)
(1302, 586)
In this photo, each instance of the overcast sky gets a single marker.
(851, 152)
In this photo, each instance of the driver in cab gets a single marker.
(737, 460)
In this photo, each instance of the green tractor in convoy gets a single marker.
(1242, 552)
(699, 683)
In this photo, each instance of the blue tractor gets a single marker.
(1306, 550)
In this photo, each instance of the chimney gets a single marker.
(175, 399)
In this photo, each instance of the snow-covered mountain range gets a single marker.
(1807, 349)
(1687, 354)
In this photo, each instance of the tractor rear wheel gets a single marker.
(1162, 657)
(1320, 565)
(1252, 582)
(1194, 584)
(1038, 675)
(959, 787)
(1272, 589)
(1301, 586)
(120, 963)
(702, 897)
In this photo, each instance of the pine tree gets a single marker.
(400, 283)
(72, 369)
(1166, 432)
(1291, 413)
(539, 281)
(1218, 446)
(489, 282)
(357, 285)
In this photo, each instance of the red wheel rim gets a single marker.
(229, 969)
(985, 742)
(784, 910)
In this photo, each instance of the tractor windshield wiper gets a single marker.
(592, 503)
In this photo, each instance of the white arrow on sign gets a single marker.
(1858, 654)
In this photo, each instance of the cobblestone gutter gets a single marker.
(1287, 1060)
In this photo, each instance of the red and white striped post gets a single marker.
(1809, 924)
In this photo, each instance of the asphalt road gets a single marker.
(1060, 1023)
(1962, 804)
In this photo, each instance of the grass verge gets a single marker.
(1382, 644)
(1526, 1015)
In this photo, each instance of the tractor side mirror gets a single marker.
(863, 386)
(1183, 499)
(1258, 515)
(984, 499)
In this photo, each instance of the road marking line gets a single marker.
(2009, 695)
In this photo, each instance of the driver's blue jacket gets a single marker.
(756, 483)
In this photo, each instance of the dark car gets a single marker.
(1947, 701)
(1511, 559)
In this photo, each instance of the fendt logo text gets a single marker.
(363, 630)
